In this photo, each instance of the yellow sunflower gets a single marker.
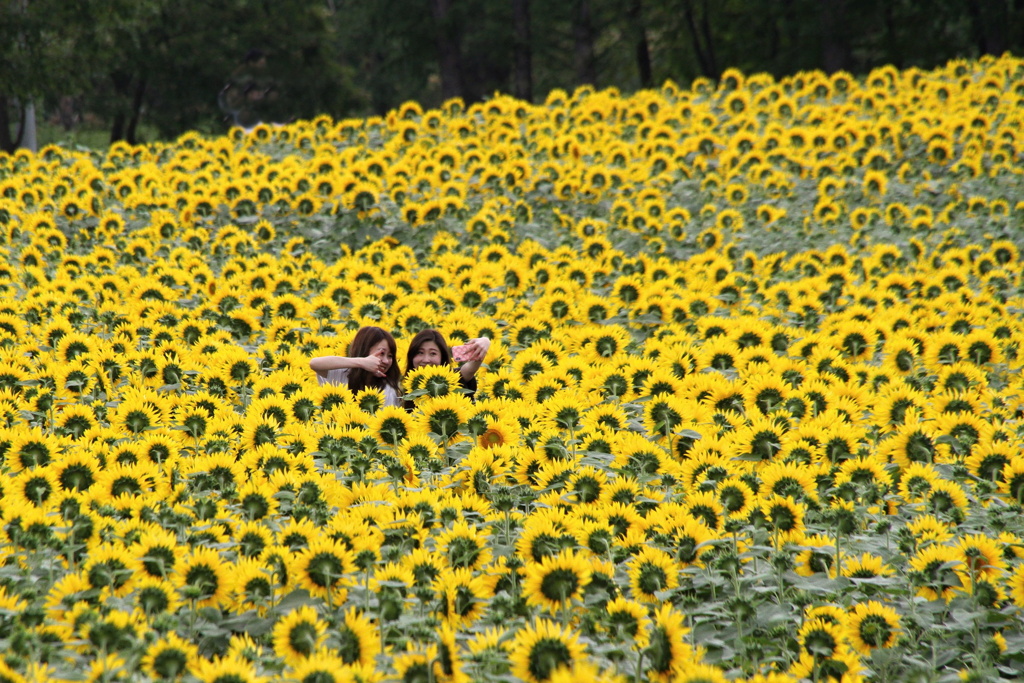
(873, 625)
(664, 415)
(445, 415)
(542, 648)
(253, 585)
(299, 634)
(822, 638)
(948, 499)
(322, 666)
(432, 380)
(785, 517)
(30, 448)
(169, 657)
(497, 433)
(864, 474)
(916, 481)
(1012, 484)
(1015, 583)
(321, 567)
(980, 555)
(789, 479)
(736, 497)
(464, 545)
(358, 639)
(625, 620)
(111, 566)
(934, 571)
(557, 580)
(224, 670)
(204, 578)
(816, 555)
(652, 571)
(157, 552)
(392, 425)
(465, 595)
(667, 653)
(865, 566)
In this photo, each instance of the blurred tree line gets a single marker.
(177, 65)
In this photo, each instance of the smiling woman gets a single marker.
(429, 348)
(369, 365)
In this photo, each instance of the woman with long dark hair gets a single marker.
(370, 363)
(430, 348)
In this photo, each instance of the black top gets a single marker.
(469, 385)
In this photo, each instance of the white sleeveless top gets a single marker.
(340, 376)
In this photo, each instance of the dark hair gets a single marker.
(364, 341)
(422, 337)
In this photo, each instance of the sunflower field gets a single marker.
(752, 410)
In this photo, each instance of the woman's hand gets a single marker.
(473, 350)
(375, 364)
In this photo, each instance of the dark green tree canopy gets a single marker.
(181, 65)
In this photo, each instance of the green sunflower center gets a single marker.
(204, 580)
(652, 579)
(444, 421)
(546, 656)
(820, 643)
(158, 561)
(153, 600)
(559, 584)
(588, 489)
(349, 645)
(111, 573)
(783, 518)
(659, 651)
(302, 638)
(875, 630)
(463, 552)
(137, 421)
(325, 569)
(170, 662)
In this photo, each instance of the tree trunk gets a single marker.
(700, 35)
(522, 72)
(583, 42)
(27, 135)
(122, 82)
(131, 131)
(835, 51)
(449, 49)
(642, 48)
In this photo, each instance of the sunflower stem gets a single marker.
(778, 576)
(738, 595)
(839, 537)
(975, 632)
